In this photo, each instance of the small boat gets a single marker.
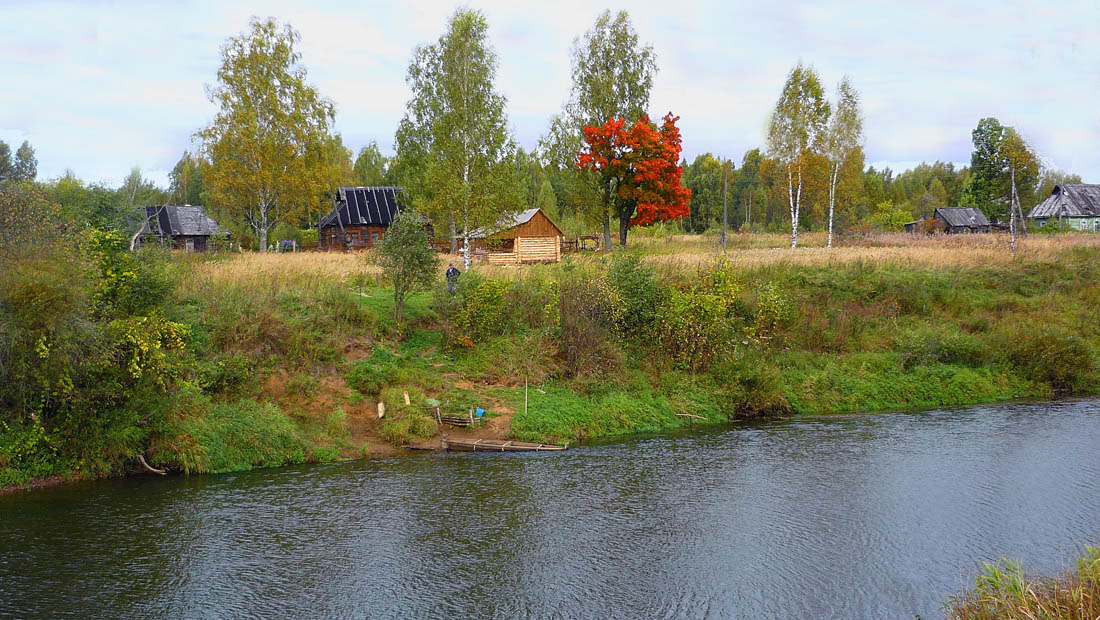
(497, 445)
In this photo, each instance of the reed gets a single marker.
(1005, 592)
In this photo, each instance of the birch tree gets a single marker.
(268, 144)
(612, 76)
(453, 145)
(1022, 166)
(797, 129)
(845, 134)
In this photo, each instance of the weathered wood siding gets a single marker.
(332, 237)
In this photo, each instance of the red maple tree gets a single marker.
(640, 169)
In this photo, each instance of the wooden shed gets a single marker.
(528, 237)
(359, 218)
(962, 220)
(184, 227)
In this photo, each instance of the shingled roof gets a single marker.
(364, 206)
(963, 216)
(1070, 200)
(180, 220)
(508, 221)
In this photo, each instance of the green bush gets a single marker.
(1050, 354)
(642, 296)
(407, 422)
(924, 345)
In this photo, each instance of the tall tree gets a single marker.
(6, 168)
(612, 76)
(1023, 173)
(26, 165)
(454, 137)
(371, 165)
(643, 163)
(987, 188)
(845, 133)
(796, 130)
(185, 181)
(267, 144)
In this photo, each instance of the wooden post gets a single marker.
(524, 394)
(407, 398)
(381, 410)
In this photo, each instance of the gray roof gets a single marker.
(1070, 200)
(180, 220)
(962, 216)
(364, 206)
(508, 221)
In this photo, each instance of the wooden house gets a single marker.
(184, 227)
(527, 237)
(1076, 204)
(359, 218)
(961, 220)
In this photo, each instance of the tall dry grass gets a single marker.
(670, 254)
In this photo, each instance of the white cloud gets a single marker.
(102, 87)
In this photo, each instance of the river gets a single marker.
(876, 516)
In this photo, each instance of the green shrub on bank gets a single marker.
(1005, 592)
(203, 436)
(404, 423)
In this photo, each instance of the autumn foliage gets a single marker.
(642, 161)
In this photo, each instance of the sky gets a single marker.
(100, 87)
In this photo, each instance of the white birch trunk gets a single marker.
(832, 203)
(790, 201)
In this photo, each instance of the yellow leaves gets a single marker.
(41, 348)
(145, 340)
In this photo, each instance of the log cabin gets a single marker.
(359, 218)
(527, 237)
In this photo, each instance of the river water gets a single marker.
(878, 516)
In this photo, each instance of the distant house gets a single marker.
(1076, 204)
(359, 219)
(185, 227)
(527, 237)
(962, 220)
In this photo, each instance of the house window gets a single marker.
(374, 238)
(1096, 226)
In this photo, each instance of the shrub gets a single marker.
(407, 422)
(477, 312)
(1050, 354)
(925, 345)
(642, 296)
(591, 312)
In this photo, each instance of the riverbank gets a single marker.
(286, 357)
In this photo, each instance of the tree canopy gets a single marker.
(797, 130)
(453, 145)
(267, 146)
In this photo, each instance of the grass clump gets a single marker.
(1005, 592)
(405, 423)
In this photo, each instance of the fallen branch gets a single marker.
(141, 458)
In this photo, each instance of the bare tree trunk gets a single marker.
(1012, 214)
(624, 228)
(832, 203)
(262, 230)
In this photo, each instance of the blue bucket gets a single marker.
(479, 411)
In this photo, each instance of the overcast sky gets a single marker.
(99, 87)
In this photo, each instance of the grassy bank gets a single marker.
(283, 358)
(1004, 592)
